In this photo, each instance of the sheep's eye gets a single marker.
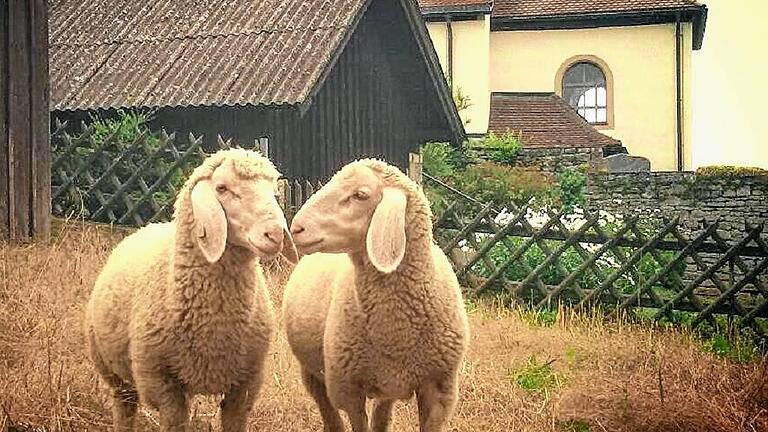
(221, 188)
(360, 195)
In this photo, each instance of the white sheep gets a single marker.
(378, 312)
(181, 308)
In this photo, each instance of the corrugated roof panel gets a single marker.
(126, 53)
(72, 68)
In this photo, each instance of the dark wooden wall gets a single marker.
(25, 154)
(377, 101)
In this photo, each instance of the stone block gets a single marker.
(623, 163)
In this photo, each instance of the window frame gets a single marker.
(609, 100)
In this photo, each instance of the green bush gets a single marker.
(439, 159)
(502, 184)
(730, 171)
(572, 183)
(502, 149)
(532, 258)
(113, 137)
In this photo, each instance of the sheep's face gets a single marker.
(238, 207)
(354, 213)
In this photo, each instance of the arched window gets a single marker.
(585, 89)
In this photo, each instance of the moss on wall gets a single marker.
(730, 172)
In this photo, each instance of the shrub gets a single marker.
(439, 159)
(503, 148)
(571, 186)
(730, 171)
(532, 258)
(501, 184)
(112, 137)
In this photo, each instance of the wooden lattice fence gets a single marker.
(107, 180)
(294, 193)
(633, 263)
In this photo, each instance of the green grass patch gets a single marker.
(539, 317)
(573, 425)
(536, 377)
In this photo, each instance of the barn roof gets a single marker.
(543, 120)
(150, 53)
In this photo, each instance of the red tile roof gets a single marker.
(127, 53)
(549, 8)
(543, 120)
(546, 8)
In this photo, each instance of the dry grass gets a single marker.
(608, 376)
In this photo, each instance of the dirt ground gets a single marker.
(580, 373)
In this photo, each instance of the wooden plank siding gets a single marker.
(19, 157)
(25, 189)
(4, 191)
(378, 100)
(40, 121)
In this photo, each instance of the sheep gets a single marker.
(374, 309)
(181, 308)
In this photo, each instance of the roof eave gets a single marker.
(697, 15)
(272, 105)
(439, 12)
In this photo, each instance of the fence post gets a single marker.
(282, 194)
(25, 151)
(415, 167)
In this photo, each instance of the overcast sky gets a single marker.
(730, 86)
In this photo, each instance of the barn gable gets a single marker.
(321, 82)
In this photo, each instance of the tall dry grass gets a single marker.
(611, 376)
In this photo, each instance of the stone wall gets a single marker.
(554, 159)
(735, 200)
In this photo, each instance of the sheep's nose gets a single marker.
(275, 235)
(296, 228)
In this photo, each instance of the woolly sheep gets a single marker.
(181, 308)
(375, 310)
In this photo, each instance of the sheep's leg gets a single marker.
(165, 394)
(237, 404)
(125, 402)
(382, 415)
(125, 399)
(316, 388)
(174, 411)
(436, 402)
(355, 409)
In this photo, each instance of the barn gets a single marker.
(314, 83)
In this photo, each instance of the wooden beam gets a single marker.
(4, 191)
(40, 122)
(25, 153)
(19, 169)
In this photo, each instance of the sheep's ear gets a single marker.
(289, 247)
(385, 242)
(210, 221)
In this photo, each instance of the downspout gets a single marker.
(449, 36)
(679, 90)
